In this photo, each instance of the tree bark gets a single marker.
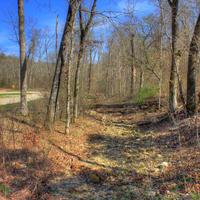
(174, 68)
(23, 60)
(60, 63)
(192, 66)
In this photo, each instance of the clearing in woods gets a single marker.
(115, 152)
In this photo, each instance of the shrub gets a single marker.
(146, 93)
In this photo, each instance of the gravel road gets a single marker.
(16, 99)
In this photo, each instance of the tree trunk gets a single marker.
(192, 66)
(180, 85)
(161, 53)
(77, 82)
(84, 29)
(56, 47)
(61, 62)
(90, 72)
(68, 85)
(141, 83)
(133, 68)
(160, 91)
(174, 67)
(23, 61)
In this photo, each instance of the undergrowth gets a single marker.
(145, 93)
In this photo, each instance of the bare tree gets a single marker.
(84, 29)
(192, 67)
(61, 62)
(23, 60)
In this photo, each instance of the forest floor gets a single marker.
(114, 152)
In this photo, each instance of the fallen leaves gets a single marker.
(105, 159)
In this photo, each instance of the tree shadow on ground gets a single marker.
(82, 186)
(131, 151)
(155, 124)
(108, 183)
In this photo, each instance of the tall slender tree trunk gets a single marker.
(68, 85)
(90, 72)
(141, 83)
(61, 62)
(23, 60)
(107, 78)
(56, 47)
(84, 29)
(180, 86)
(133, 67)
(174, 68)
(160, 90)
(193, 64)
(161, 53)
(77, 82)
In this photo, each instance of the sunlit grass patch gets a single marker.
(11, 94)
(6, 95)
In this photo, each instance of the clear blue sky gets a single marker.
(42, 13)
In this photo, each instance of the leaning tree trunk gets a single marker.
(174, 68)
(61, 62)
(192, 66)
(23, 61)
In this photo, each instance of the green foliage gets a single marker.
(195, 196)
(146, 93)
(4, 189)
(11, 94)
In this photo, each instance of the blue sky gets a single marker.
(42, 14)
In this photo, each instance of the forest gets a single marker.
(99, 100)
